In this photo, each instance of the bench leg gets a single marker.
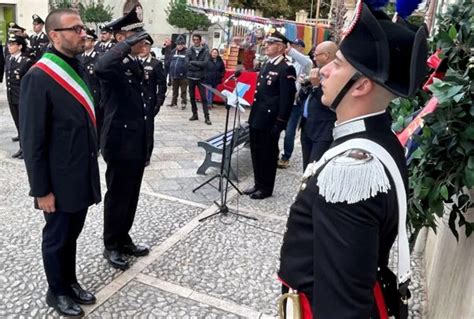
(205, 164)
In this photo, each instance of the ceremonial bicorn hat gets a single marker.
(390, 54)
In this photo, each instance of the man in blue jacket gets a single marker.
(177, 72)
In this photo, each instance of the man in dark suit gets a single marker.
(16, 67)
(317, 120)
(57, 126)
(88, 60)
(155, 90)
(124, 135)
(269, 114)
(38, 40)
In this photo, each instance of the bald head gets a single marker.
(325, 52)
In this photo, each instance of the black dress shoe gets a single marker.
(64, 305)
(135, 250)
(82, 296)
(250, 190)
(15, 139)
(116, 259)
(260, 195)
(18, 154)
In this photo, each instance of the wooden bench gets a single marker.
(214, 145)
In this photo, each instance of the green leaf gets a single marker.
(470, 162)
(469, 133)
(443, 191)
(458, 97)
(452, 32)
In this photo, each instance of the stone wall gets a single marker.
(449, 272)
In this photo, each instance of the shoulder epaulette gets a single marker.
(352, 177)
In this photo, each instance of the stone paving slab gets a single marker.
(137, 300)
(20, 242)
(228, 258)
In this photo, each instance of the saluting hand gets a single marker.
(47, 203)
(137, 37)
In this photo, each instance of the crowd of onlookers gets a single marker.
(190, 68)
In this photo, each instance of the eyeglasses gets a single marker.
(318, 54)
(77, 28)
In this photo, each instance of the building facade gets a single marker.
(20, 11)
(155, 15)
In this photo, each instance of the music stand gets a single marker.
(224, 171)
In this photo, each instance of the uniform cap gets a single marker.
(90, 34)
(274, 36)
(132, 21)
(18, 39)
(13, 27)
(149, 40)
(36, 19)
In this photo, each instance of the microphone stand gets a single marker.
(224, 171)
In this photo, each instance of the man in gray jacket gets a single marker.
(197, 57)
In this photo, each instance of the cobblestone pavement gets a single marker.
(224, 267)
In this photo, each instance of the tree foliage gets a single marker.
(92, 11)
(442, 169)
(180, 16)
(96, 12)
(285, 8)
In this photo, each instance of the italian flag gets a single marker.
(66, 77)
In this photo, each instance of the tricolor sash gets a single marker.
(68, 78)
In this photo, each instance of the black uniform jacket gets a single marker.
(103, 47)
(124, 134)
(331, 250)
(320, 121)
(15, 69)
(2, 62)
(274, 95)
(59, 142)
(155, 81)
(38, 44)
(88, 64)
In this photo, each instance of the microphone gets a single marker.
(234, 76)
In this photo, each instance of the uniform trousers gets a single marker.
(264, 150)
(14, 113)
(124, 179)
(192, 96)
(312, 150)
(177, 85)
(59, 248)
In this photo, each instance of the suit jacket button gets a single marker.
(125, 125)
(92, 154)
(144, 117)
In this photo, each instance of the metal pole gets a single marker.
(311, 10)
(318, 4)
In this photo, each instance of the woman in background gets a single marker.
(214, 73)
